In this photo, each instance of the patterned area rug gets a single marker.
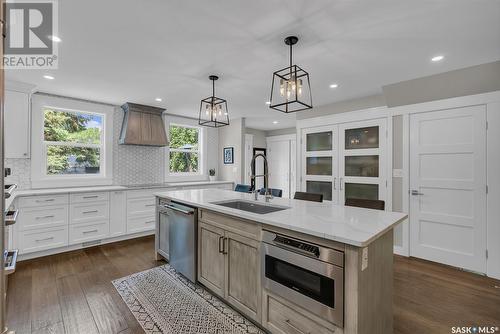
(165, 302)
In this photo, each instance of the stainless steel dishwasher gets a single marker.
(182, 222)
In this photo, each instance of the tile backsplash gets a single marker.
(21, 173)
(135, 164)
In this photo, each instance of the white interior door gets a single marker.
(448, 187)
(320, 161)
(362, 160)
(278, 155)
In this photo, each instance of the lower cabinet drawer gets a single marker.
(87, 232)
(89, 212)
(140, 224)
(281, 318)
(41, 201)
(141, 206)
(42, 217)
(39, 240)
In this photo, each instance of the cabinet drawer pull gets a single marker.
(149, 222)
(93, 211)
(46, 239)
(88, 197)
(289, 323)
(45, 200)
(226, 246)
(147, 205)
(221, 245)
(45, 217)
(91, 231)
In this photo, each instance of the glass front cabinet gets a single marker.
(345, 160)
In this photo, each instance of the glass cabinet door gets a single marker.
(319, 141)
(362, 159)
(320, 161)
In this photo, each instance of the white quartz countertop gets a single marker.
(52, 191)
(349, 225)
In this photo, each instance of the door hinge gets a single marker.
(487, 189)
(386, 133)
(486, 253)
(486, 125)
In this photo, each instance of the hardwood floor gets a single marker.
(72, 293)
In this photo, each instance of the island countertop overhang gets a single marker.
(348, 225)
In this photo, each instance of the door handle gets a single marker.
(167, 206)
(221, 245)
(416, 193)
(334, 183)
(341, 187)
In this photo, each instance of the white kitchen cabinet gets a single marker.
(117, 213)
(88, 232)
(141, 210)
(17, 124)
(345, 160)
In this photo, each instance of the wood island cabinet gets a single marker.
(229, 261)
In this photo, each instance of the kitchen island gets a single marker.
(304, 267)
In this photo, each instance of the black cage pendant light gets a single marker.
(213, 110)
(291, 88)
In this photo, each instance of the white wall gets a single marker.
(280, 132)
(259, 137)
(462, 82)
(232, 135)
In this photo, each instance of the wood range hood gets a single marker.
(142, 125)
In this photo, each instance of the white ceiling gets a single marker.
(135, 50)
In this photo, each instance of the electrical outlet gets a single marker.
(364, 259)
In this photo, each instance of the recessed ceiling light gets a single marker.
(334, 85)
(275, 122)
(158, 99)
(268, 102)
(55, 38)
(437, 58)
(48, 77)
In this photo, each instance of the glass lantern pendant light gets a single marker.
(291, 88)
(213, 110)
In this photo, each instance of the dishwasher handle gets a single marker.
(174, 208)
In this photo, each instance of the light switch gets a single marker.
(397, 173)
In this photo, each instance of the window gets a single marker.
(71, 142)
(184, 153)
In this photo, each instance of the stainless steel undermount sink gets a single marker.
(251, 206)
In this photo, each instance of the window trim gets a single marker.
(39, 177)
(201, 175)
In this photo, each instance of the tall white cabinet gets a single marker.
(345, 160)
(17, 120)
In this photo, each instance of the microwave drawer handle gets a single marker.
(289, 323)
(168, 206)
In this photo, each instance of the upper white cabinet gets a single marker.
(17, 121)
(346, 160)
